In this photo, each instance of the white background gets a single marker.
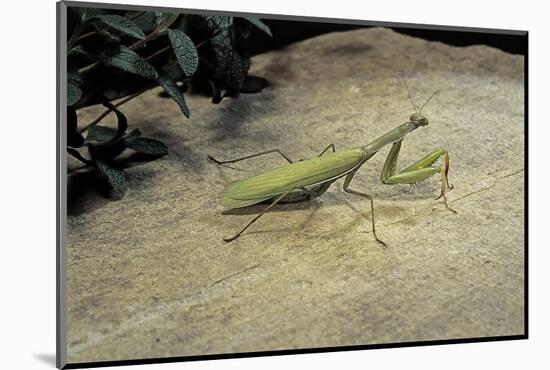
(27, 182)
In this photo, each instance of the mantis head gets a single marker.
(417, 118)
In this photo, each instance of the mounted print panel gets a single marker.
(241, 185)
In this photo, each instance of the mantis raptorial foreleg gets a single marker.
(347, 181)
(418, 171)
(258, 216)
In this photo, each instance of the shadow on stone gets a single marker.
(258, 208)
(88, 190)
(82, 193)
(350, 49)
(237, 113)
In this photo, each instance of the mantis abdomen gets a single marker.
(293, 176)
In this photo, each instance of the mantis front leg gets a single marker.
(418, 171)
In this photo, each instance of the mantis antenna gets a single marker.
(428, 100)
(410, 97)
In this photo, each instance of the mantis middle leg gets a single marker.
(331, 145)
(418, 171)
(286, 157)
(347, 181)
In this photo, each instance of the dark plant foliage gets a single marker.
(121, 54)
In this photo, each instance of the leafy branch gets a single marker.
(107, 49)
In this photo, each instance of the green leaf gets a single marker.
(185, 51)
(115, 177)
(231, 67)
(120, 24)
(165, 20)
(129, 61)
(148, 146)
(110, 38)
(172, 71)
(173, 90)
(102, 135)
(98, 135)
(217, 23)
(74, 93)
(260, 25)
(122, 122)
(132, 135)
(103, 144)
(146, 22)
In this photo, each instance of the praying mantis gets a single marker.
(307, 179)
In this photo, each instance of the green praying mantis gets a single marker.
(307, 179)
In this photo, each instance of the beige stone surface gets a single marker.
(149, 275)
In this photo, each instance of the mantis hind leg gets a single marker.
(286, 157)
(363, 195)
(277, 200)
(418, 171)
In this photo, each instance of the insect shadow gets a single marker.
(288, 207)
